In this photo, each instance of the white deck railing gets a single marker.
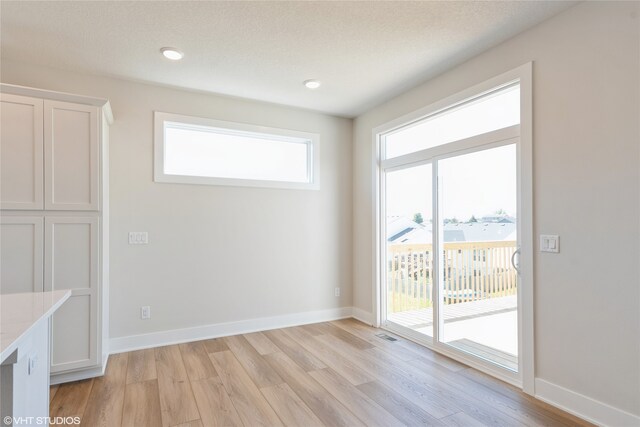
(472, 271)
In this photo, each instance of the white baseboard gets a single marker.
(78, 375)
(176, 336)
(584, 407)
(363, 316)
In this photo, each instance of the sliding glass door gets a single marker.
(409, 221)
(449, 229)
(477, 198)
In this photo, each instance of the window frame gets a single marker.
(277, 134)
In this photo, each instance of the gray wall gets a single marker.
(215, 254)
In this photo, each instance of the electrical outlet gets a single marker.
(138, 238)
(337, 292)
(145, 312)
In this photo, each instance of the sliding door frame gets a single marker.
(522, 134)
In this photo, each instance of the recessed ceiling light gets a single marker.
(312, 84)
(172, 53)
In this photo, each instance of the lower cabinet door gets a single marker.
(72, 262)
(21, 251)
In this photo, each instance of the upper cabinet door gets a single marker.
(71, 159)
(21, 152)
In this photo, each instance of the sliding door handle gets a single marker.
(513, 260)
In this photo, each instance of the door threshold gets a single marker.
(461, 356)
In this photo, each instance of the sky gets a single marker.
(473, 184)
(477, 184)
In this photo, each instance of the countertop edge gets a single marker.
(14, 345)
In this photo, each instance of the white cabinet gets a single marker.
(52, 253)
(21, 152)
(50, 155)
(71, 156)
(54, 216)
(71, 262)
(21, 254)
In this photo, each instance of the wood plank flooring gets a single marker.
(333, 374)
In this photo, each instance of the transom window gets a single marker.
(205, 151)
(496, 109)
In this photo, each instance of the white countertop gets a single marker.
(21, 312)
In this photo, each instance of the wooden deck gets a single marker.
(421, 320)
(415, 319)
(327, 374)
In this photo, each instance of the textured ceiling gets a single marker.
(363, 52)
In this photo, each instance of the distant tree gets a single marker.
(473, 219)
(417, 218)
(454, 220)
(501, 212)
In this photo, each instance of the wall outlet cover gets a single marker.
(145, 312)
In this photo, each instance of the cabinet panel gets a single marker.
(71, 158)
(71, 258)
(71, 252)
(73, 340)
(21, 152)
(21, 253)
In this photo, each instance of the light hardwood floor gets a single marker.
(334, 374)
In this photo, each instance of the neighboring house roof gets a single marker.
(498, 218)
(479, 231)
(403, 230)
(397, 226)
(417, 235)
(453, 235)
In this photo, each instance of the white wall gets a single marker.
(215, 254)
(586, 188)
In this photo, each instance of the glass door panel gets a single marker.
(477, 200)
(409, 250)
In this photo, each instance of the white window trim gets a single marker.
(523, 74)
(313, 156)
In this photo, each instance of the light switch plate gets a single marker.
(549, 243)
(138, 238)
